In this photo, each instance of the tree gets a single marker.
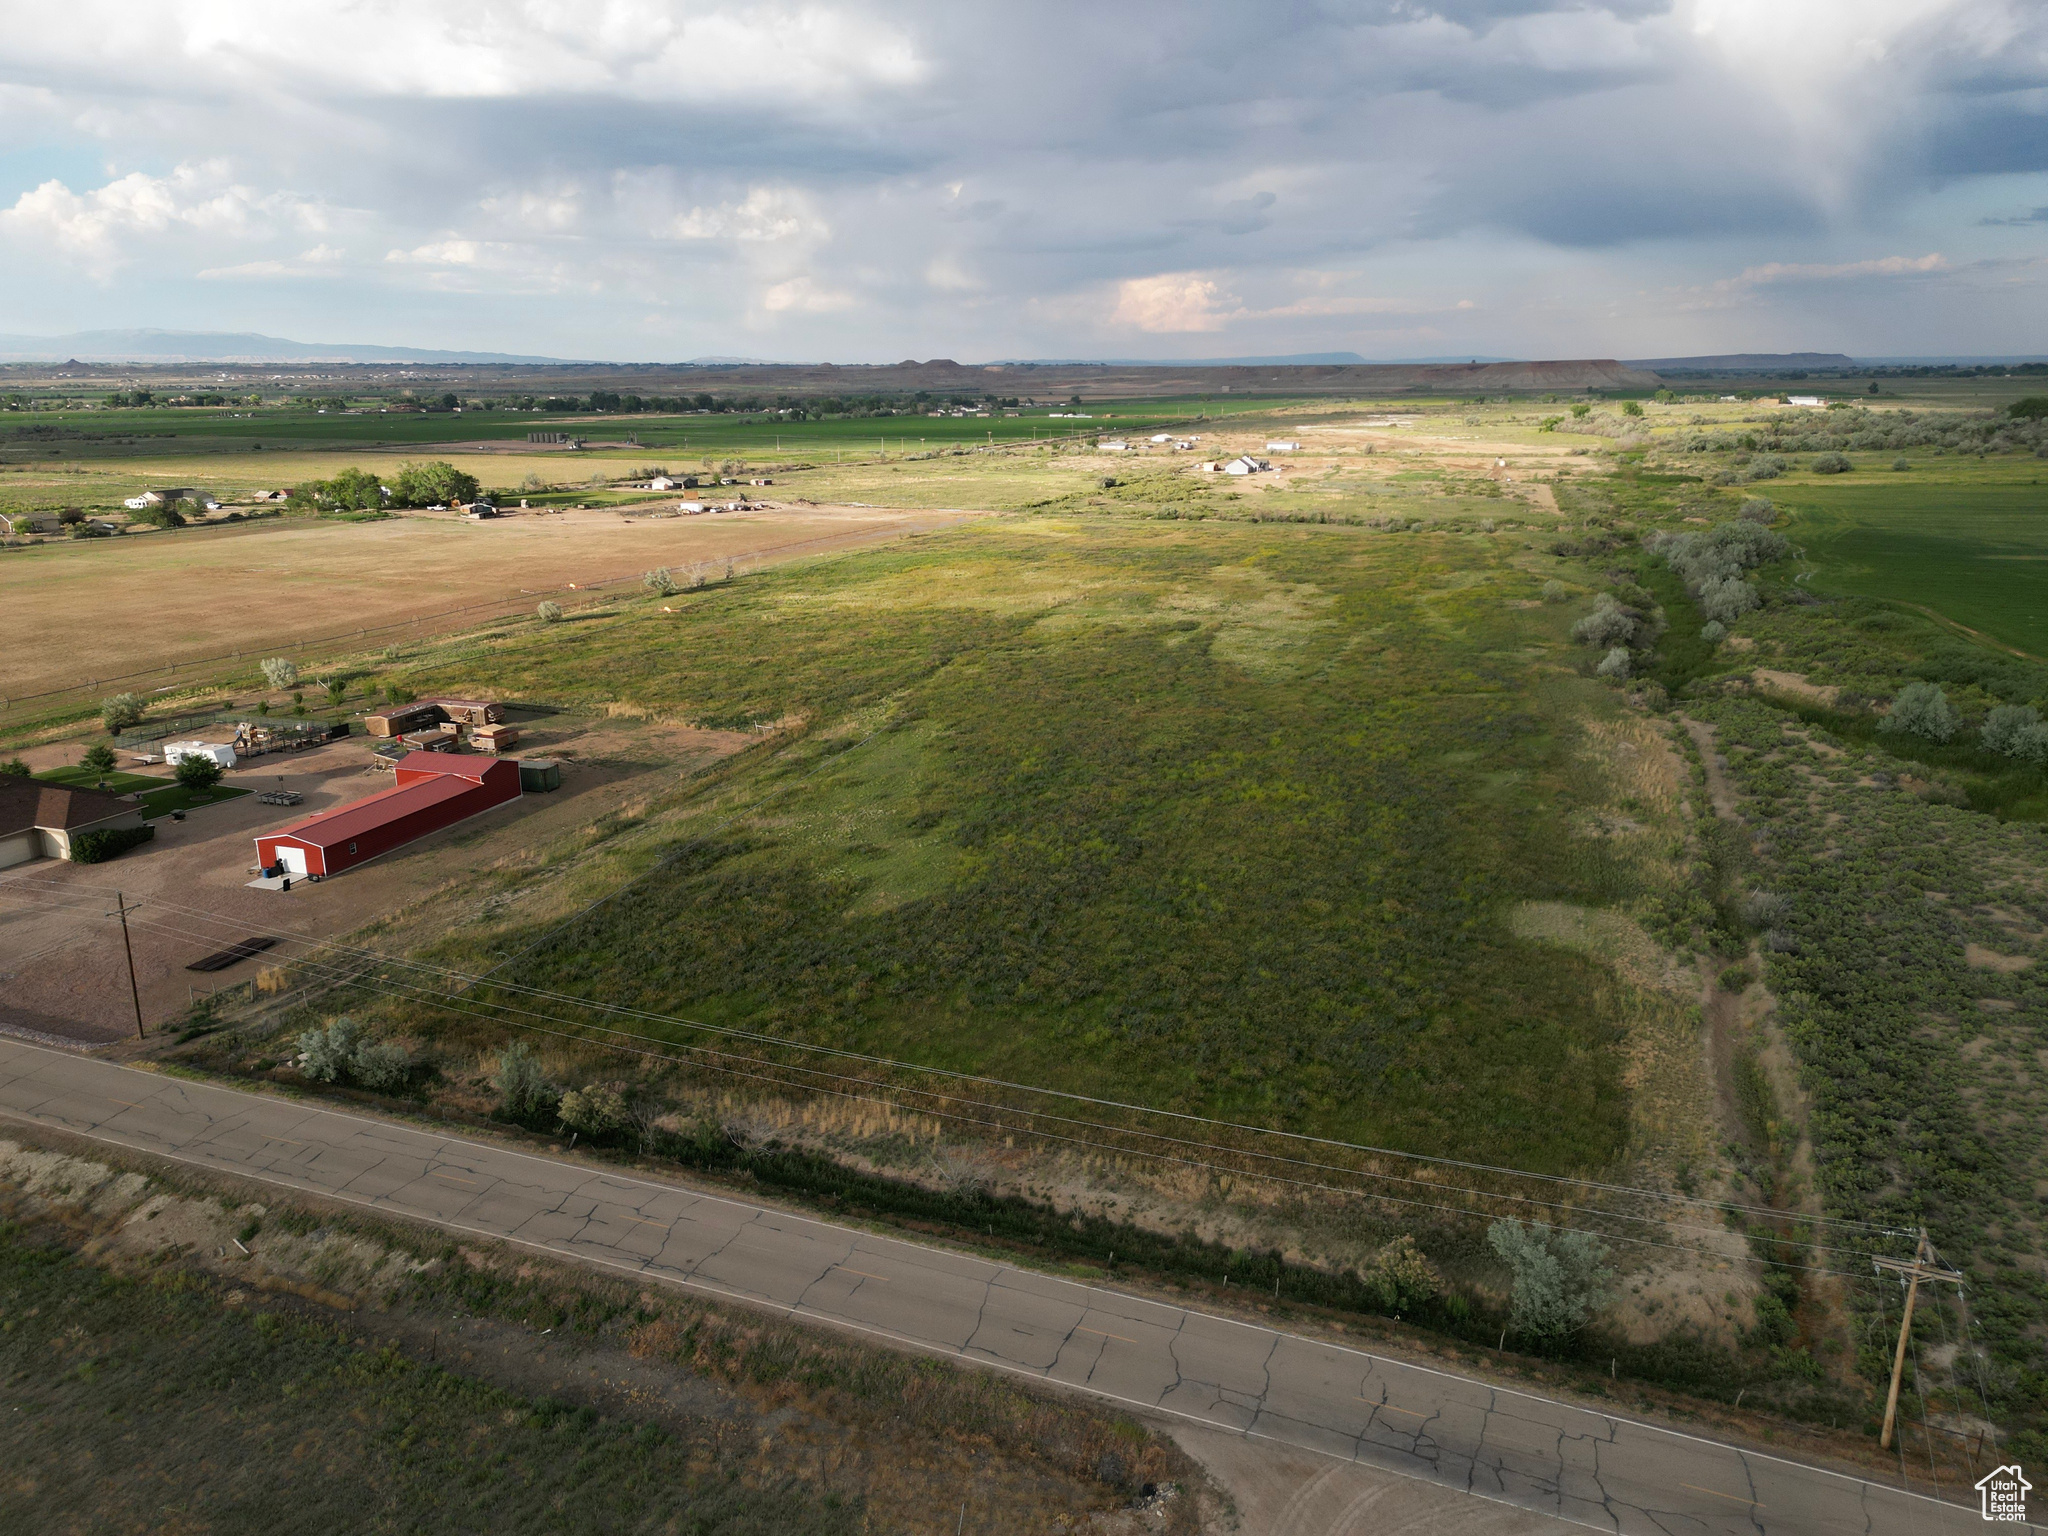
(1581, 410)
(197, 772)
(659, 582)
(2016, 730)
(337, 689)
(1561, 1277)
(1923, 710)
(434, 483)
(550, 612)
(353, 490)
(1631, 408)
(99, 758)
(2033, 408)
(14, 768)
(122, 712)
(1610, 623)
(1614, 665)
(594, 1110)
(280, 671)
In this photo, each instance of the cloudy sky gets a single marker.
(662, 179)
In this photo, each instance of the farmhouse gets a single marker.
(434, 790)
(39, 820)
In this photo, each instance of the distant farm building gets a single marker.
(39, 820)
(1282, 447)
(434, 791)
(1246, 465)
(1113, 446)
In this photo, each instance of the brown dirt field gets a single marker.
(61, 967)
(111, 607)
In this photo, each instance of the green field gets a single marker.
(1228, 819)
(1972, 548)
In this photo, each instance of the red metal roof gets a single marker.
(455, 763)
(328, 828)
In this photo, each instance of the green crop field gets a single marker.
(1228, 819)
(1973, 547)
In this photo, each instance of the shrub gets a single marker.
(659, 582)
(1900, 464)
(344, 1053)
(98, 847)
(1561, 1277)
(99, 757)
(1400, 1278)
(524, 1092)
(549, 612)
(2004, 726)
(1611, 623)
(1631, 408)
(1923, 710)
(1832, 464)
(197, 773)
(1713, 631)
(122, 712)
(326, 1055)
(1764, 466)
(337, 689)
(1765, 909)
(14, 767)
(1581, 410)
(1614, 665)
(1759, 509)
(1556, 592)
(1736, 978)
(1727, 597)
(595, 1110)
(280, 671)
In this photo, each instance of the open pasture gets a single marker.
(1972, 545)
(106, 608)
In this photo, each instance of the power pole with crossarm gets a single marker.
(1920, 1267)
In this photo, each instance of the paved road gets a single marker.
(1547, 1457)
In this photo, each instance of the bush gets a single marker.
(122, 712)
(1561, 1277)
(595, 1110)
(1832, 464)
(280, 672)
(549, 612)
(344, 1053)
(2011, 729)
(659, 582)
(1611, 623)
(14, 767)
(1923, 710)
(1900, 464)
(1759, 509)
(197, 773)
(1631, 408)
(1614, 665)
(1400, 1279)
(1765, 909)
(1556, 592)
(1713, 631)
(1727, 597)
(524, 1092)
(99, 758)
(98, 847)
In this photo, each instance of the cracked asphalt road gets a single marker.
(1547, 1457)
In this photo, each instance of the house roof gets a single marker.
(327, 828)
(26, 803)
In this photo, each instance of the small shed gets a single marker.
(469, 711)
(406, 717)
(493, 738)
(539, 773)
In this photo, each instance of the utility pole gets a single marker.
(121, 910)
(1920, 1267)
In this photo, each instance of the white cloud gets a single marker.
(1171, 302)
(1792, 271)
(103, 227)
(766, 214)
(804, 296)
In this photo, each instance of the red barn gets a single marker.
(434, 790)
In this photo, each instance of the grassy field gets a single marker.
(1227, 819)
(265, 587)
(1970, 545)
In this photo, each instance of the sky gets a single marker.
(664, 179)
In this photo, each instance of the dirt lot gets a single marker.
(257, 587)
(62, 971)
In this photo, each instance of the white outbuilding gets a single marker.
(1280, 447)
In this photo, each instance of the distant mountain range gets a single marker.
(1744, 362)
(153, 346)
(1290, 360)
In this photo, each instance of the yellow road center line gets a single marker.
(452, 1179)
(1392, 1409)
(129, 1102)
(863, 1274)
(1717, 1493)
(1101, 1335)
